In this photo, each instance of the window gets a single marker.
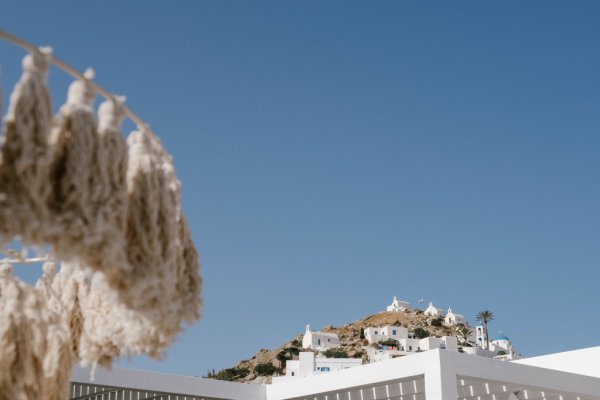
(329, 340)
(409, 348)
(293, 373)
(376, 333)
(318, 342)
(394, 332)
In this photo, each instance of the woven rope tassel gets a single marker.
(35, 353)
(110, 209)
(24, 188)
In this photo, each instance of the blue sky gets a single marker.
(334, 154)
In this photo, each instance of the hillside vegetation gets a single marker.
(257, 368)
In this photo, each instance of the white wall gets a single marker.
(376, 355)
(320, 340)
(478, 351)
(308, 365)
(292, 368)
(335, 364)
(429, 343)
(449, 343)
(410, 345)
(582, 361)
(161, 382)
(306, 361)
(395, 332)
(375, 334)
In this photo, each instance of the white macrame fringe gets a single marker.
(24, 180)
(35, 353)
(111, 209)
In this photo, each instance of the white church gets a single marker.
(399, 305)
(404, 343)
(450, 318)
(500, 347)
(318, 340)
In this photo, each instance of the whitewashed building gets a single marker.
(433, 311)
(307, 365)
(499, 347)
(478, 351)
(480, 335)
(430, 375)
(399, 305)
(377, 334)
(407, 346)
(503, 348)
(449, 343)
(319, 340)
(501, 342)
(453, 319)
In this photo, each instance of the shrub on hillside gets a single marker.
(420, 333)
(335, 353)
(358, 354)
(265, 369)
(437, 322)
(228, 374)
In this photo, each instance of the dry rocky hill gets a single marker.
(266, 363)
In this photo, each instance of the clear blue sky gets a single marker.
(334, 154)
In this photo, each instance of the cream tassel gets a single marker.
(188, 275)
(71, 286)
(112, 205)
(36, 351)
(156, 249)
(74, 142)
(24, 179)
(109, 194)
(59, 357)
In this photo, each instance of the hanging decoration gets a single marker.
(122, 274)
(24, 187)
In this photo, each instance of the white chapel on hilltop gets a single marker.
(454, 319)
(433, 311)
(399, 305)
